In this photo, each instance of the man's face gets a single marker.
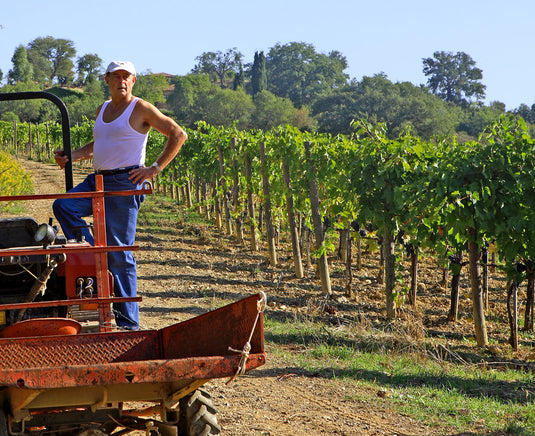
(120, 82)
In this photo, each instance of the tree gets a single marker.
(476, 119)
(223, 107)
(377, 99)
(25, 110)
(52, 60)
(151, 87)
(185, 99)
(454, 77)
(258, 73)
(239, 80)
(526, 112)
(272, 111)
(22, 70)
(297, 72)
(88, 67)
(219, 64)
(83, 105)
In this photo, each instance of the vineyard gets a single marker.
(342, 219)
(469, 204)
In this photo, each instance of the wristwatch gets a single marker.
(155, 165)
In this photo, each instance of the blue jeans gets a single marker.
(121, 219)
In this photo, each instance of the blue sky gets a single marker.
(388, 36)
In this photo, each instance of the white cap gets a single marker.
(121, 65)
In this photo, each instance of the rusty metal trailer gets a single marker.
(59, 378)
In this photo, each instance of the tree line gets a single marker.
(291, 84)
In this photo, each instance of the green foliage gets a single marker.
(454, 77)
(398, 105)
(476, 119)
(385, 173)
(258, 73)
(223, 107)
(88, 67)
(52, 60)
(297, 72)
(187, 96)
(218, 65)
(151, 87)
(14, 180)
(22, 69)
(271, 111)
(28, 110)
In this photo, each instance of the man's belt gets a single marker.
(116, 171)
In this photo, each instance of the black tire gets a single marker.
(198, 415)
(3, 423)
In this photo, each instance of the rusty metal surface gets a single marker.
(93, 194)
(73, 302)
(214, 332)
(60, 249)
(127, 373)
(194, 349)
(84, 349)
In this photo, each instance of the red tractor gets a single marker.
(65, 369)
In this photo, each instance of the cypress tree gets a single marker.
(239, 80)
(258, 73)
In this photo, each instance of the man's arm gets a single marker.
(176, 136)
(85, 152)
(82, 153)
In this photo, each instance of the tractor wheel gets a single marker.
(198, 415)
(3, 423)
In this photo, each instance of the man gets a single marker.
(118, 150)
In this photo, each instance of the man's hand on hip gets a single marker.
(139, 175)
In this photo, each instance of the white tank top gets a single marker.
(117, 144)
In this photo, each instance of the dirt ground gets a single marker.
(188, 270)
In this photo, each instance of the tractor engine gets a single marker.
(30, 277)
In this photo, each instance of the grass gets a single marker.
(12, 208)
(413, 382)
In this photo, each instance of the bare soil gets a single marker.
(186, 269)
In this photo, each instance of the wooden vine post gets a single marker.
(304, 240)
(530, 293)
(236, 191)
(38, 142)
(389, 271)
(347, 257)
(272, 252)
(477, 294)
(414, 251)
(217, 207)
(294, 234)
(512, 312)
(323, 265)
(29, 146)
(176, 188)
(189, 201)
(359, 252)
(48, 151)
(456, 267)
(198, 194)
(485, 266)
(250, 203)
(204, 192)
(222, 182)
(15, 140)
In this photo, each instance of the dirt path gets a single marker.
(182, 274)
